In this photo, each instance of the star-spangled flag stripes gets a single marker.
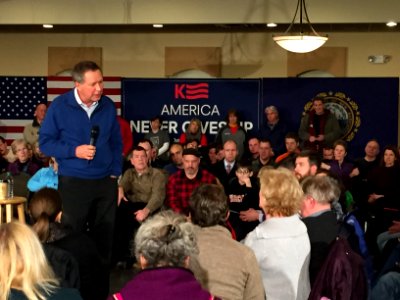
(57, 85)
(20, 95)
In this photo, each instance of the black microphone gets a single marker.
(94, 133)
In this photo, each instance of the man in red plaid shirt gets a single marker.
(181, 184)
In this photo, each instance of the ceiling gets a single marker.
(191, 28)
(119, 16)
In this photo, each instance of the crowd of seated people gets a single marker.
(238, 178)
(24, 156)
(247, 215)
(23, 165)
(266, 220)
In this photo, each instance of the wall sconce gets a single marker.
(379, 59)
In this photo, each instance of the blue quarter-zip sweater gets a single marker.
(67, 126)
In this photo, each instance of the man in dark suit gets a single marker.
(225, 169)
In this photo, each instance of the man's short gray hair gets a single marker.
(272, 108)
(323, 189)
(79, 70)
(166, 239)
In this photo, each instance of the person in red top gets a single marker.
(182, 183)
(127, 138)
(233, 131)
(193, 132)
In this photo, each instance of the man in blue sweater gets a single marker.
(82, 132)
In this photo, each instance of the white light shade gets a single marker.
(300, 43)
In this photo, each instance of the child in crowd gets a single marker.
(242, 196)
(45, 177)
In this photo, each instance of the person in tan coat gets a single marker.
(228, 269)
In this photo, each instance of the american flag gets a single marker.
(20, 95)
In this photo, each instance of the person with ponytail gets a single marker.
(73, 255)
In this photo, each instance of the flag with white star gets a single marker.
(18, 99)
(20, 95)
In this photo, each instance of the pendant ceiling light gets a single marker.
(306, 40)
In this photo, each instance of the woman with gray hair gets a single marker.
(163, 247)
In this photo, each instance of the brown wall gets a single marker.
(243, 55)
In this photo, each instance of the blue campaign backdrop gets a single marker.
(367, 106)
(179, 100)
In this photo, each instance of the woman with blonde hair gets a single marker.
(281, 243)
(193, 133)
(25, 273)
(24, 162)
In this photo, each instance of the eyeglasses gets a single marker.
(243, 171)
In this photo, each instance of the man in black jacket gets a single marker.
(320, 220)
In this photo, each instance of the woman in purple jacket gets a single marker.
(163, 247)
(340, 166)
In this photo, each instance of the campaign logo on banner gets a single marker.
(191, 91)
(178, 101)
